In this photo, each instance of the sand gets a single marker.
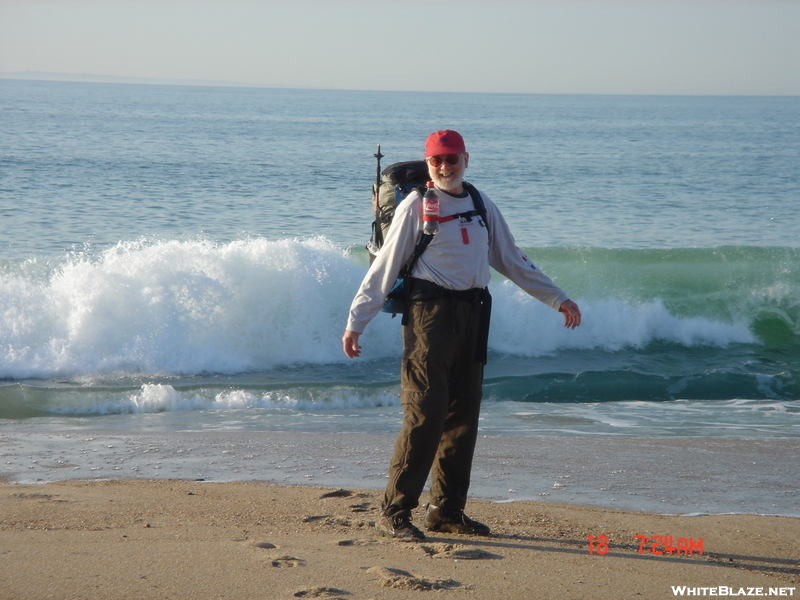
(142, 539)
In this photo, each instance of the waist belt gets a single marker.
(421, 290)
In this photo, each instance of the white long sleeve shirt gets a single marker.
(458, 257)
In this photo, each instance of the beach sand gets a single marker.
(142, 539)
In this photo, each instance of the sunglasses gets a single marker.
(450, 159)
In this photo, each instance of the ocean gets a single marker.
(177, 262)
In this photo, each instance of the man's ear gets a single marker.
(466, 159)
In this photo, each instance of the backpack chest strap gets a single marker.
(467, 216)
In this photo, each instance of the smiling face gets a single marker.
(446, 176)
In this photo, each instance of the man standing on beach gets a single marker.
(443, 338)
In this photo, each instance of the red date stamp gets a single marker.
(657, 545)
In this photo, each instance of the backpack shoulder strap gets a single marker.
(477, 200)
(420, 248)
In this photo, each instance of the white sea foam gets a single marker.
(179, 308)
(192, 307)
(521, 325)
(159, 397)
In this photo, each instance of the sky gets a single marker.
(665, 47)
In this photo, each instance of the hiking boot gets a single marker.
(399, 527)
(453, 521)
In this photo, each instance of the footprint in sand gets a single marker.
(457, 552)
(356, 542)
(265, 545)
(322, 592)
(338, 521)
(287, 561)
(337, 494)
(316, 518)
(25, 496)
(403, 580)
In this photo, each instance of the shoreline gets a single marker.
(679, 476)
(181, 539)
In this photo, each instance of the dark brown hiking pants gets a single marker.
(441, 394)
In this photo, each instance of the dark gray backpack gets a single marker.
(393, 184)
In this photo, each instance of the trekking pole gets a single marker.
(378, 227)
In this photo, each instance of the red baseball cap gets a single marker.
(445, 141)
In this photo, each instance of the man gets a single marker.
(444, 345)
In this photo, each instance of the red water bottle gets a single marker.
(430, 211)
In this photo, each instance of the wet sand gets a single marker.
(244, 540)
(683, 476)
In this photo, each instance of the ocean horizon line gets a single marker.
(132, 80)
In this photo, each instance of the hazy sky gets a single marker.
(567, 46)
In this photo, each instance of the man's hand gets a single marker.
(571, 312)
(350, 344)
